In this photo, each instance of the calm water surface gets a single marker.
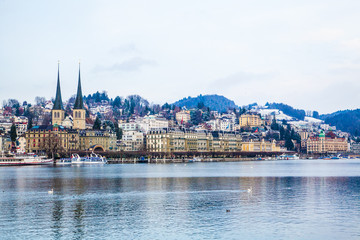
(301, 199)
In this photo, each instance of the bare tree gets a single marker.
(52, 144)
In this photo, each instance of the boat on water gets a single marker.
(288, 157)
(63, 161)
(142, 160)
(197, 159)
(24, 159)
(92, 159)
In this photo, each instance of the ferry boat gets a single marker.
(92, 159)
(288, 157)
(63, 161)
(24, 159)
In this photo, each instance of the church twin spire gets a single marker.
(58, 104)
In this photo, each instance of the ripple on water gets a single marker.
(198, 201)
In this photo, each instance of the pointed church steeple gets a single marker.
(58, 105)
(58, 112)
(79, 110)
(79, 98)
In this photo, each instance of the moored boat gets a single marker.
(288, 157)
(63, 161)
(92, 159)
(25, 159)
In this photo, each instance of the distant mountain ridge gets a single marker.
(346, 120)
(214, 102)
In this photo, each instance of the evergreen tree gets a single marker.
(30, 123)
(97, 124)
(196, 117)
(118, 131)
(117, 102)
(166, 106)
(274, 125)
(13, 134)
(282, 133)
(200, 105)
(288, 143)
(17, 111)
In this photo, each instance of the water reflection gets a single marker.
(78, 219)
(127, 201)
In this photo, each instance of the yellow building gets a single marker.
(250, 120)
(59, 139)
(322, 144)
(97, 140)
(188, 141)
(260, 146)
(51, 139)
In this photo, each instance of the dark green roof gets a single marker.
(58, 105)
(79, 99)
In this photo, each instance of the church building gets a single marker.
(60, 139)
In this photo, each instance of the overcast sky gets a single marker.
(304, 53)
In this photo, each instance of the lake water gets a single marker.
(299, 199)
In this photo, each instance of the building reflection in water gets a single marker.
(78, 219)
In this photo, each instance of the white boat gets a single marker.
(63, 161)
(92, 159)
(25, 159)
(287, 157)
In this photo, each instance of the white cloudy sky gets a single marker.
(304, 53)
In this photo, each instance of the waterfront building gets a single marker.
(326, 144)
(190, 141)
(51, 138)
(104, 140)
(21, 144)
(133, 141)
(2, 138)
(260, 146)
(6, 144)
(250, 120)
(225, 142)
(355, 147)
